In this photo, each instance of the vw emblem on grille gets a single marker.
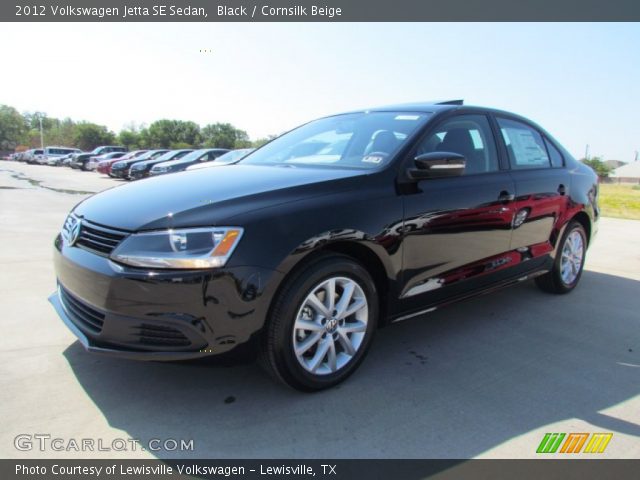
(71, 230)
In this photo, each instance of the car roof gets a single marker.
(423, 107)
(446, 105)
(436, 107)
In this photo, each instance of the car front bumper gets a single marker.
(158, 315)
(138, 174)
(119, 173)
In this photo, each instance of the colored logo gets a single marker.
(574, 442)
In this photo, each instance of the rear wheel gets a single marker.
(321, 324)
(569, 262)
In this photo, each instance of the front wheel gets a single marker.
(569, 262)
(321, 324)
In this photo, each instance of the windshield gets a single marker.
(193, 156)
(355, 140)
(172, 154)
(234, 155)
(129, 155)
(151, 154)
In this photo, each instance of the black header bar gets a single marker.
(319, 11)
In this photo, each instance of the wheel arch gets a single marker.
(583, 219)
(359, 251)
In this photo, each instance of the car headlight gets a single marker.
(117, 166)
(189, 248)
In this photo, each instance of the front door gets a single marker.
(457, 229)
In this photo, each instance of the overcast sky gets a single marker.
(579, 81)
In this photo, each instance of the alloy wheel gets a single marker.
(330, 325)
(572, 256)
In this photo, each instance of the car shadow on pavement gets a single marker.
(455, 384)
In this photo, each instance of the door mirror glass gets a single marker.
(437, 164)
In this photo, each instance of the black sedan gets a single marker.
(120, 169)
(310, 243)
(142, 169)
(192, 158)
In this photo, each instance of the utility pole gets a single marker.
(41, 133)
(636, 159)
(586, 152)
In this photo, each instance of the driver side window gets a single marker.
(468, 135)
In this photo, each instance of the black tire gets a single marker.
(84, 167)
(277, 354)
(552, 281)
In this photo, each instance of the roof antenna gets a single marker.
(451, 102)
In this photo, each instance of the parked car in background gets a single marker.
(227, 158)
(108, 149)
(51, 155)
(424, 205)
(93, 162)
(141, 169)
(105, 165)
(81, 161)
(30, 156)
(120, 169)
(63, 160)
(195, 157)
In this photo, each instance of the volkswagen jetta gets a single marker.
(313, 241)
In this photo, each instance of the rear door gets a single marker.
(457, 229)
(542, 186)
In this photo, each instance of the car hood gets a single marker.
(152, 162)
(209, 164)
(209, 196)
(128, 163)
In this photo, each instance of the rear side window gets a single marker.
(556, 157)
(525, 145)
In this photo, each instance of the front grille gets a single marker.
(160, 335)
(82, 314)
(99, 239)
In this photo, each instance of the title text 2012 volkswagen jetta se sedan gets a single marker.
(315, 240)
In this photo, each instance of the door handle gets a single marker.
(506, 196)
(562, 189)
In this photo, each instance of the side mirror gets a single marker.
(437, 164)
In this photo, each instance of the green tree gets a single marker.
(32, 120)
(12, 128)
(166, 133)
(224, 135)
(89, 136)
(261, 141)
(61, 132)
(601, 168)
(129, 138)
